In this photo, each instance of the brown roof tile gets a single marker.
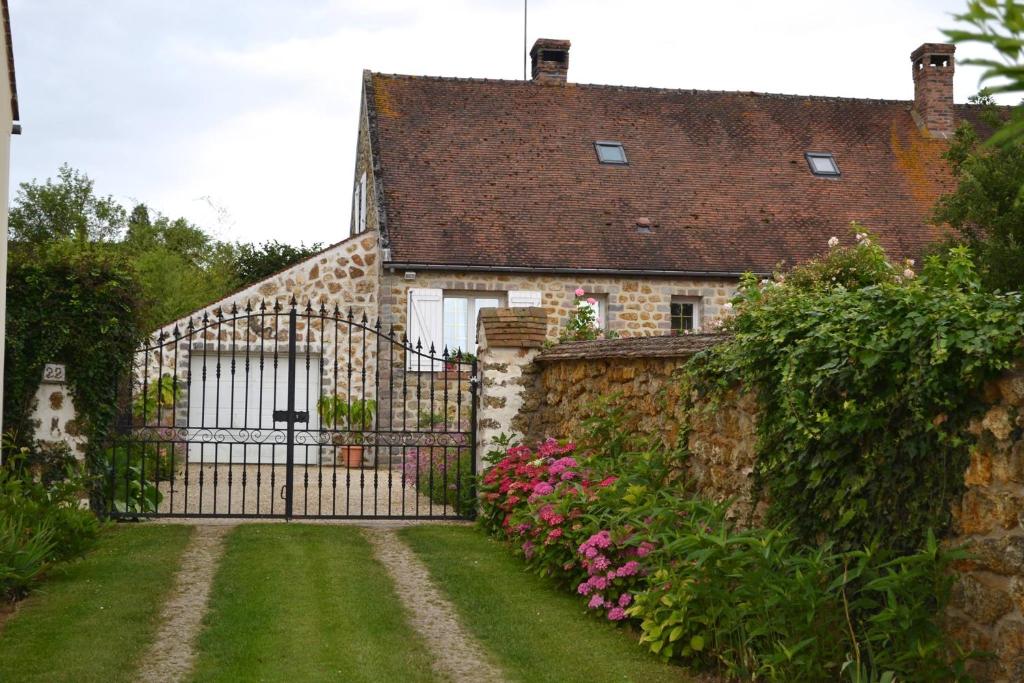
(504, 174)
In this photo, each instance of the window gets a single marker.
(610, 152)
(359, 206)
(600, 306)
(459, 316)
(685, 315)
(447, 319)
(822, 163)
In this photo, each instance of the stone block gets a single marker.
(983, 602)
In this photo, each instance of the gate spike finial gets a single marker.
(350, 318)
(444, 354)
(206, 317)
(323, 308)
(377, 325)
(293, 303)
(263, 305)
(309, 306)
(277, 306)
(365, 319)
(337, 311)
(177, 333)
(391, 332)
(248, 305)
(191, 325)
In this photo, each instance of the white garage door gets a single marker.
(231, 418)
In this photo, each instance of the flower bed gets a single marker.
(613, 524)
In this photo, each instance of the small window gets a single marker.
(459, 316)
(823, 164)
(685, 316)
(610, 152)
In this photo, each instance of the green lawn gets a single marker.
(305, 603)
(537, 632)
(92, 619)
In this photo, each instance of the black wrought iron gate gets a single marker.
(288, 411)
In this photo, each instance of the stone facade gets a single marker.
(636, 306)
(55, 418)
(988, 600)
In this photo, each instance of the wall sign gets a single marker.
(54, 373)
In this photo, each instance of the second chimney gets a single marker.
(933, 88)
(550, 60)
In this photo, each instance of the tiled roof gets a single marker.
(504, 174)
(633, 347)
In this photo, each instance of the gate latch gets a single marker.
(297, 416)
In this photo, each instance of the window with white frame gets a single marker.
(448, 320)
(459, 316)
(600, 308)
(359, 206)
(685, 315)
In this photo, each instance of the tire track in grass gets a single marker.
(457, 655)
(171, 654)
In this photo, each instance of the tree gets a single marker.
(255, 262)
(65, 208)
(985, 209)
(1000, 25)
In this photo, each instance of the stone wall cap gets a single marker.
(524, 327)
(634, 347)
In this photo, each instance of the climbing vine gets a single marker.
(76, 304)
(867, 374)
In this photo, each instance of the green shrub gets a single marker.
(42, 520)
(613, 520)
(866, 375)
(25, 547)
(129, 475)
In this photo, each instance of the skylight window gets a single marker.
(822, 163)
(610, 152)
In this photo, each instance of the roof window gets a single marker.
(610, 152)
(822, 163)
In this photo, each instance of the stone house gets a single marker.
(477, 193)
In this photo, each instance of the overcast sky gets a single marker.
(242, 116)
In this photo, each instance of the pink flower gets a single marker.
(528, 549)
(645, 549)
(631, 568)
(596, 601)
(600, 563)
(590, 552)
(592, 301)
(617, 614)
(554, 534)
(625, 599)
(580, 291)
(543, 488)
(599, 582)
(585, 588)
(567, 475)
(555, 520)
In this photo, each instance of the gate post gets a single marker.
(290, 434)
(508, 339)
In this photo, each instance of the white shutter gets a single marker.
(425, 324)
(521, 298)
(362, 203)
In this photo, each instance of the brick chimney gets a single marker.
(550, 60)
(933, 88)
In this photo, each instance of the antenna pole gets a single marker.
(525, 53)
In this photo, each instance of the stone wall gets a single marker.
(55, 418)
(987, 606)
(636, 306)
(643, 376)
(988, 600)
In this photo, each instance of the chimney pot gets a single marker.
(933, 66)
(550, 59)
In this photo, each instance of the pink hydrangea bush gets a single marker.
(542, 502)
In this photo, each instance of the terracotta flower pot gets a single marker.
(350, 456)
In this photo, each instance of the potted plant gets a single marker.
(347, 418)
(458, 360)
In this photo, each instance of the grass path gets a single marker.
(91, 620)
(305, 603)
(538, 633)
